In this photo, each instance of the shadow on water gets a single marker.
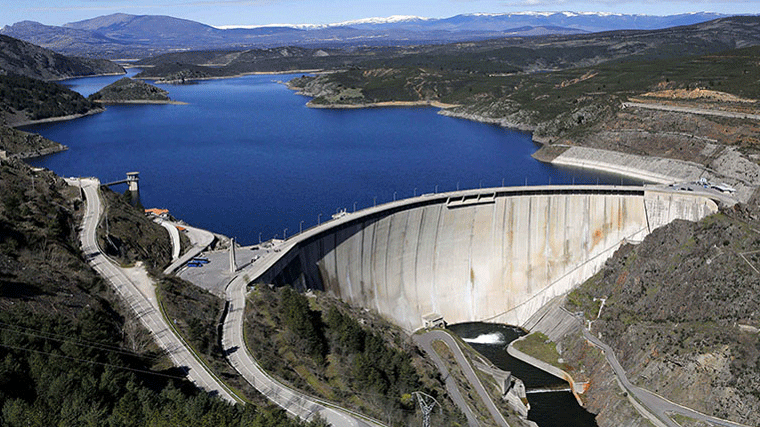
(554, 409)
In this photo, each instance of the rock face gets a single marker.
(130, 90)
(26, 59)
(681, 314)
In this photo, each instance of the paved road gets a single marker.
(174, 234)
(295, 402)
(654, 403)
(130, 292)
(200, 240)
(451, 384)
(690, 110)
(425, 341)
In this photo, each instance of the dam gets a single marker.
(493, 255)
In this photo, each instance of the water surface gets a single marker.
(553, 409)
(245, 157)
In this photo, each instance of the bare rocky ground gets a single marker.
(728, 148)
(682, 315)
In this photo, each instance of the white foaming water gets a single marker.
(492, 338)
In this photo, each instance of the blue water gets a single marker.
(245, 157)
(555, 409)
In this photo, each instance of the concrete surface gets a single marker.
(494, 255)
(200, 239)
(174, 234)
(215, 275)
(738, 172)
(137, 290)
(691, 110)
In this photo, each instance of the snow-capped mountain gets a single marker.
(142, 35)
(584, 21)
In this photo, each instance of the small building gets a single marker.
(433, 320)
(161, 213)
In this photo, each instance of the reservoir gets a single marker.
(246, 158)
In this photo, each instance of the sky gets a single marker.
(267, 12)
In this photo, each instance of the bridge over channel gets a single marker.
(479, 255)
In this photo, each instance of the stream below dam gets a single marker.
(547, 409)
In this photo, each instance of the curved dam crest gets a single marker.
(493, 255)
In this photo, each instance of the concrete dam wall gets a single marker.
(495, 255)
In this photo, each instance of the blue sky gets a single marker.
(260, 12)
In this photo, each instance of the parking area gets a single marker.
(215, 274)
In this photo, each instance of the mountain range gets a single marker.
(138, 36)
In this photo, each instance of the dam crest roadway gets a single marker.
(494, 255)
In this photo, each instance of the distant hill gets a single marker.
(582, 22)
(122, 35)
(500, 56)
(25, 59)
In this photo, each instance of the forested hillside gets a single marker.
(25, 99)
(70, 353)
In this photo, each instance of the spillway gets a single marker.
(488, 255)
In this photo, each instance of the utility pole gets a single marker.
(427, 403)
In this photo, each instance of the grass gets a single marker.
(539, 346)
(683, 420)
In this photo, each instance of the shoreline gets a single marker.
(56, 119)
(648, 168)
(435, 104)
(617, 162)
(160, 80)
(661, 170)
(40, 153)
(140, 102)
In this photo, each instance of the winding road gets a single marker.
(691, 110)
(135, 289)
(656, 404)
(425, 341)
(293, 401)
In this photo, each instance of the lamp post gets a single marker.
(259, 237)
(374, 201)
(300, 227)
(319, 218)
(394, 196)
(415, 191)
(436, 189)
(285, 234)
(354, 206)
(457, 185)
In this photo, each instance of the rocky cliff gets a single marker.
(681, 314)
